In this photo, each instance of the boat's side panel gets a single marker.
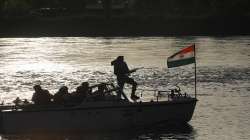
(104, 118)
(96, 119)
(171, 113)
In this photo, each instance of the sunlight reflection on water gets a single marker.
(223, 74)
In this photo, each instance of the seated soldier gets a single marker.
(41, 96)
(84, 90)
(17, 101)
(100, 93)
(61, 95)
(81, 93)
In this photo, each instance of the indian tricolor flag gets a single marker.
(183, 57)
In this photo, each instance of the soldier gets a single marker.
(122, 73)
(41, 96)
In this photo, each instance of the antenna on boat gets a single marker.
(195, 89)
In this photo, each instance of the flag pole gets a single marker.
(195, 89)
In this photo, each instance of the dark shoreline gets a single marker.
(95, 27)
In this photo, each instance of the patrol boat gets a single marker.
(105, 111)
(108, 113)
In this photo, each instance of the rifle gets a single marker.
(134, 70)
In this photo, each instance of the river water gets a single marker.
(223, 77)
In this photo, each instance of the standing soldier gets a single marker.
(122, 73)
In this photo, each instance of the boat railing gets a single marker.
(111, 93)
(170, 95)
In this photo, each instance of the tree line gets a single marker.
(194, 7)
(137, 7)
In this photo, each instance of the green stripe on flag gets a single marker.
(181, 62)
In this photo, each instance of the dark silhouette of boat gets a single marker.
(108, 113)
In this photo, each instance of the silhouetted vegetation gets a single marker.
(193, 7)
(124, 17)
(158, 8)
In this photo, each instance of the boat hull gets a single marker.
(92, 117)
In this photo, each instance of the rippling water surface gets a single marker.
(223, 75)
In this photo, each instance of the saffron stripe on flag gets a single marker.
(182, 57)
